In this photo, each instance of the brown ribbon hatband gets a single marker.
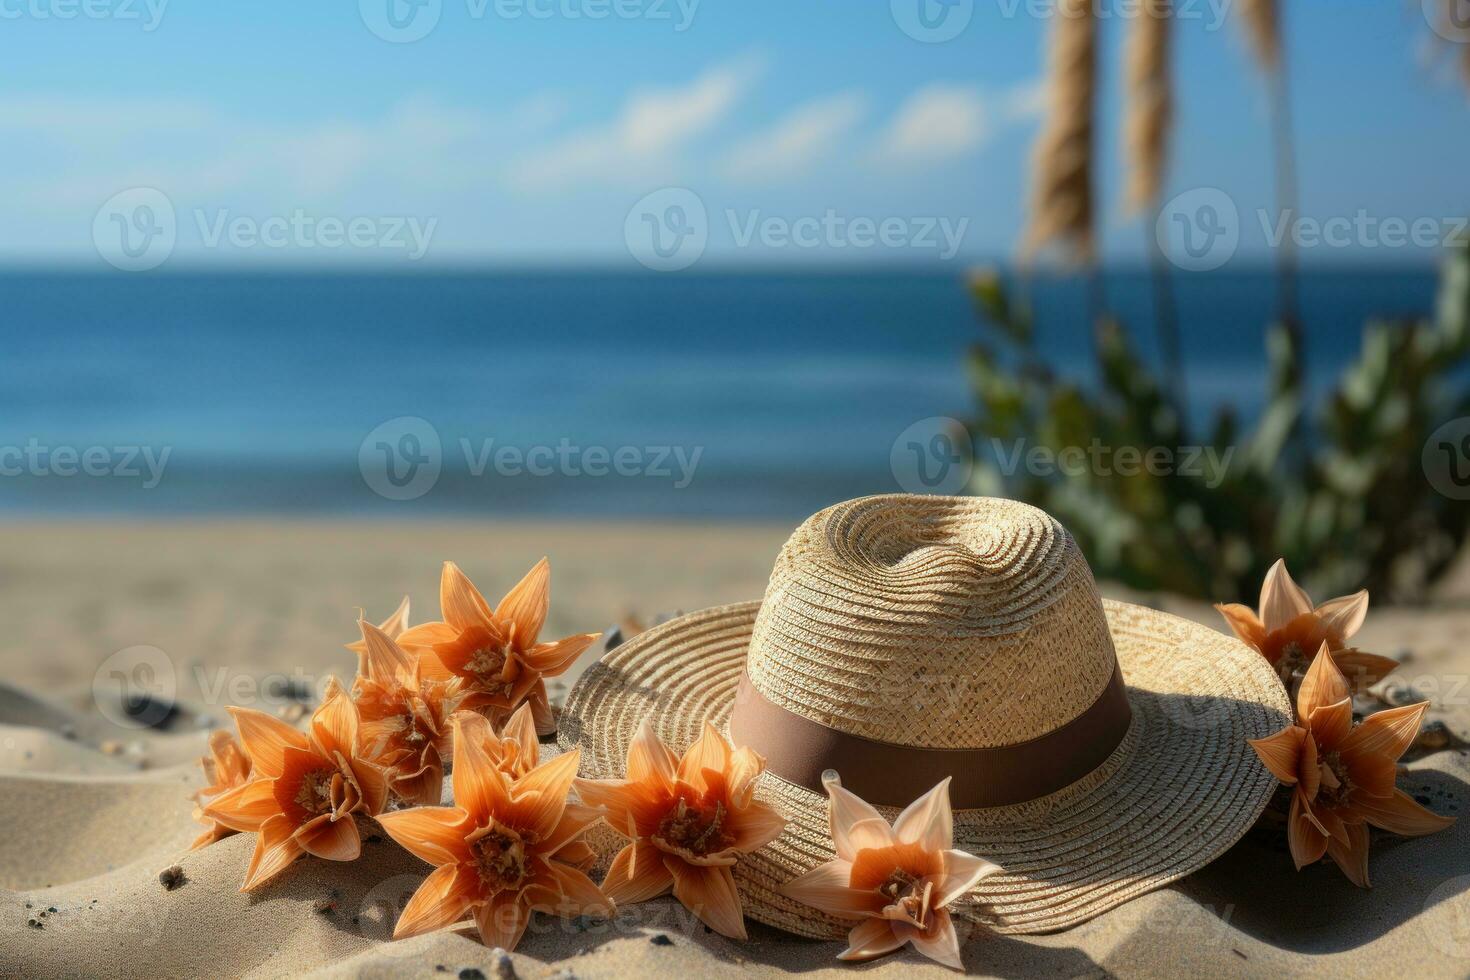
(799, 750)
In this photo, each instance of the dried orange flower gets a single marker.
(506, 848)
(226, 767)
(690, 820)
(394, 626)
(897, 881)
(495, 654)
(404, 720)
(1288, 630)
(307, 788)
(514, 750)
(1344, 773)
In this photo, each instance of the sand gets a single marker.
(255, 613)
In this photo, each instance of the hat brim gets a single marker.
(1177, 792)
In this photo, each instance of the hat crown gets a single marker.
(935, 622)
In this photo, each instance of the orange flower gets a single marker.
(395, 626)
(306, 791)
(514, 750)
(895, 880)
(1344, 773)
(404, 726)
(505, 849)
(226, 767)
(690, 820)
(1289, 631)
(496, 655)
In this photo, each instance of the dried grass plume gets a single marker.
(1061, 197)
(1150, 109)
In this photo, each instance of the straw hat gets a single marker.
(1098, 749)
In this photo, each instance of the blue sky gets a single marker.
(528, 139)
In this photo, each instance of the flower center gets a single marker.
(901, 888)
(314, 795)
(1340, 793)
(1292, 660)
(500, 858)
(698, 830)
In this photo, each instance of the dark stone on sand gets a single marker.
(150, 712)
(172, 877)
(661, 940)
(612, 638)
(470, 973)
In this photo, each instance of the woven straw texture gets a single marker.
(1180, 788)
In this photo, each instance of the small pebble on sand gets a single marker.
(171, 877)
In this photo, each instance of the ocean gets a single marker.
(744, 395)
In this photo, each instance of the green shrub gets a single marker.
(1336, 488)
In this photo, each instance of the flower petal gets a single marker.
(577, 895)
(575, 821)
(711, 751)
(245, 807)
(828, 888)
(649, 759)
(422, 788)
(551, 659)
(870, 938)
(382, 659)
(709, 892)
(622, 800)
(1282, 600)
(1344, 615)
(855, 824)
(928, 821)
(1331, 724)
(265, 738)
(1400, 814)
(1243, 622)
(333, 840)
(372, 783)
(461, 604)
(1363, 670)
(430, 833)
(755, 826)
(1305, 837)
(962, 871)
(939, 942)
(540, 796)
(745, 766)
(1281, 753)
(1386, 733)
(637, 875)
(521, 729)
(479, 788)
(526, 604)
(442, 900)
(503, 920)
(1352, 856)
(334, 724)
(1323, 685)
(275, 850)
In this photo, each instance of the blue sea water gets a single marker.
(792, 388)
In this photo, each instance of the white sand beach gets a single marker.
(255, 613)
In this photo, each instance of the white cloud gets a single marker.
(652, 128)
(797, 140)
(942, 122)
